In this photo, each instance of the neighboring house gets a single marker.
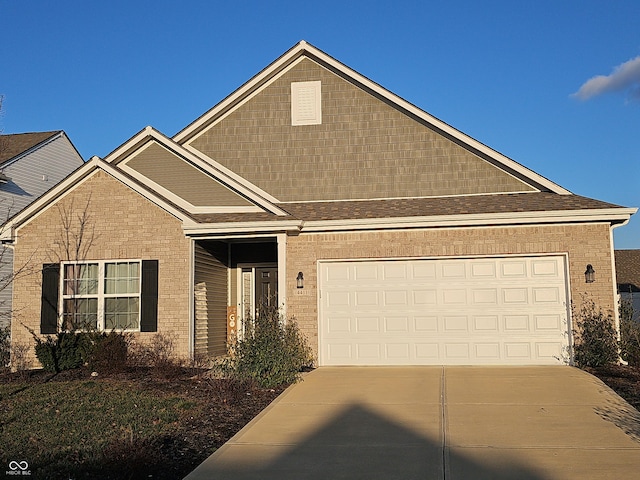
(30, 164)
(628, 278)
(390, 236)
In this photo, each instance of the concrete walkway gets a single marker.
(525, 423)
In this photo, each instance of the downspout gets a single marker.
(616, 309)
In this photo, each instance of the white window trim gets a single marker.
(101, 296)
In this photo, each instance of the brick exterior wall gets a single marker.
(584, 244)
(127, 226)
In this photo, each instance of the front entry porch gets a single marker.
(232, 277)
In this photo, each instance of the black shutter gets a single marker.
(149, 296)
(49, 305)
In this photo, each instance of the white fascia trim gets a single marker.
(517, 218)
(302, 48)
(139, 142)
(81, 175)
(42, 203)
(410, 198)
(238, 94)
(231, 228)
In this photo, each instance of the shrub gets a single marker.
(596, 336)
(106, 352)
(68, 350)
(5, 346)
(60, 352)
(159, 354)
(272, 353)
(629, 334)
(20, 361)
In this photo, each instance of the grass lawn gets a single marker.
(136, 424)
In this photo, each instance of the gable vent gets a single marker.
(306, 103)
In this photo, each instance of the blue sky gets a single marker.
(554, 85)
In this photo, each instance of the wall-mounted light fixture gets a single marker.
(590, 274)
(300, 280)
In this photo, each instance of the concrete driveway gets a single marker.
(437, 423)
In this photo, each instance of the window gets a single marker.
(102, 295)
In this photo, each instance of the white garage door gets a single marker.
(508, 310)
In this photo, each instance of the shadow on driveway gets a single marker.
(357, 443)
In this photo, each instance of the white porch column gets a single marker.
(282, 272)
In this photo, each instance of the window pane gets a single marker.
(81, 279)
(123, 277)
(80, 313)
(121, 313)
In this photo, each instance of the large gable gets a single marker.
(364, 147)
(309, 128)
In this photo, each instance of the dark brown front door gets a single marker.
(266, 287)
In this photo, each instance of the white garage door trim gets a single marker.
(506, 310)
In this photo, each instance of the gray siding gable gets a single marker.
(31, 175)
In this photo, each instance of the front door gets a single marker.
(266, 287)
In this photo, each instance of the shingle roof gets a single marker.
(12, 145)
(628, 270)
(418, 207)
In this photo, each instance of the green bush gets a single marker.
(629, 334)
(5, 346)
(596, 336)
(68, 350)
(60, 352)
(272, 353)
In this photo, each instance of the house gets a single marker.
(628, 278)
(390, 236)
(30, 164)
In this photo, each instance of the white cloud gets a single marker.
(625, 77)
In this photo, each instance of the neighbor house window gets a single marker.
(102, 295)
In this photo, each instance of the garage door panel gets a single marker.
(424, 270)
(515, 296)
(546, 295)
(453, 269)
(366, 325)
(396, 297)
(484, 270)
(396, 324)
(516, 323)
(366, 299)
(425, 297)
(425, 324)
(454, 311)
(485, 296)
(487, 351)
(456, 296)
(338, 325)
(547, 268)
(486, 323)
(365, 271)
(547, 322)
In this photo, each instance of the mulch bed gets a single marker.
(622, 379)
